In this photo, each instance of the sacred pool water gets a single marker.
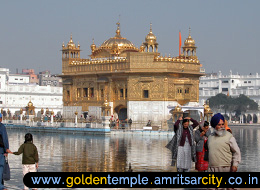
(84, 153)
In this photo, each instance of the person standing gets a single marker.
(182, 144)
(4, 149)
(30, 155)
(224, 153)
(130, 123)
(201, 137)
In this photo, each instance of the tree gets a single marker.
(239, 105)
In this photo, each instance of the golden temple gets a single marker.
(137, 83)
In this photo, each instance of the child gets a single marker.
(30, 155)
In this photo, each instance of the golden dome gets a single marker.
(189, 42)
(93, 46)
(119, 40)
(142, 47)
(177, 109)
(30, 104)
(71, 43)
(150, 38)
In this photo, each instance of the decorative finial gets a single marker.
(118, 25)
(189, 31)
(150, 27)
(71, 36)
(93, 40)
(118, 30)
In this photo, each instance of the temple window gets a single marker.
(85, 92)
(146, 93)
(121, 92)
(102, 93)
(78, 92)
(91, 92)
(68, 95)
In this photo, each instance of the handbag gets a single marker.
(6, 173)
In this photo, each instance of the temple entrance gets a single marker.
(121, 111)
(122, 115)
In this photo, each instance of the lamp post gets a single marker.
(105, 113)
(176, 112)
(207, 112)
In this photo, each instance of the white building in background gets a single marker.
(231, 84)
(16, 91)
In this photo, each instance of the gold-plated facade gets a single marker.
(119, 72)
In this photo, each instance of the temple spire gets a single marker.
(118, 30)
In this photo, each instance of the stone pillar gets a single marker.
(105, 121)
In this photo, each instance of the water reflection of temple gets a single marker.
(94, 155)
(113, 154)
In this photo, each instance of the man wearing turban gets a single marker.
(224, 153)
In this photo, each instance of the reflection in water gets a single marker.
(83, 153)
(248, 139)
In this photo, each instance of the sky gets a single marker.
(227, 33)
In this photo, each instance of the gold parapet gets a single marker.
(176, 60)
(100, 61)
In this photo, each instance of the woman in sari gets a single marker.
(201, 137)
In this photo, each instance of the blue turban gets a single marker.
(215, 119)
(1, 115)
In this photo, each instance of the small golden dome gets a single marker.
(93, 46)
(30, 104)
(177, 108)
(189, 42)
(150, 36)
(142, 47)
(71, 43)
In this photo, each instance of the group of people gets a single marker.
(215, 151)
(28, 149)
(115, 123)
